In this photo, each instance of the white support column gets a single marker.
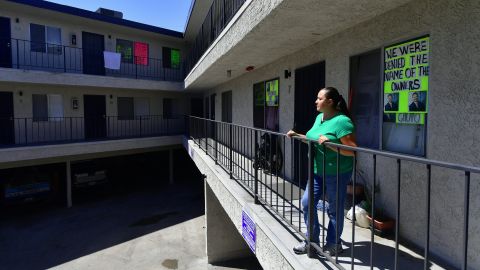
(224, 241)
(170, 166)
(69, 184)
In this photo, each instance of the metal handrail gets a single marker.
(27, 131)
(234, 147)
(218, 16)
(30, 55)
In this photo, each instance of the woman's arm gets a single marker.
(346, 140)
(292, 133)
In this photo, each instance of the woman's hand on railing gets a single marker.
(292, 133)
(323, 139)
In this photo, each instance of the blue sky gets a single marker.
(170, 14)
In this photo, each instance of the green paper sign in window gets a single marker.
(271, 91)
(405, 87)
(175, 58)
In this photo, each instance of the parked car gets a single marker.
(26, 189)
(87, 174)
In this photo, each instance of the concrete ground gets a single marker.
(154, 227)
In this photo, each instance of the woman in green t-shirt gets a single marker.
(333, 124)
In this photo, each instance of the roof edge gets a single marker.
(99, 17)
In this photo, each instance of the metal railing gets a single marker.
(238, 150)
(27, 131)
(218, 16)
(29, 55)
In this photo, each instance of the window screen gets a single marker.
(125, 48)
(40, 108)
(37, 38)
(125, 108)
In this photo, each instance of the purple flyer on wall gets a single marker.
(248, 230)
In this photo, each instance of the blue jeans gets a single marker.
(331, 190)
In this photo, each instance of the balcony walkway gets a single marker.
(282, 197)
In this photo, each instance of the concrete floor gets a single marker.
(151, 228)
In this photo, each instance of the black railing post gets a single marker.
(71, 129)
(230, 143)
(136, 68)
(311, 207)
(372, 225)
(140, 126)
(26, 131)
(397, 221)
(18, 54)
(256, 168)
(466, 203)
(64, 61)
(216, 143)
(427, 234)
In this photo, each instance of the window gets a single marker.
(125, 108)
(47, 108)
(45, 39)
(171, 58)
(55, 107)
(266, 103)
(405, 96)
(125, 48)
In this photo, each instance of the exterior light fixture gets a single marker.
(229, 73)
(287, 73)
(249, 68)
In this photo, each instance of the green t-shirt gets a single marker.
(334, 128)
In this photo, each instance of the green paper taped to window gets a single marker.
(271, 91)
(175, 58)
(405, 81)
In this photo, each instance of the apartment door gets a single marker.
(227, 107)
(6, 118)
(167, 108)
(212, 106)
(93, 47)
(308, 81)
(196, 107)
(5, 43)
(95, 116)
(365, 93)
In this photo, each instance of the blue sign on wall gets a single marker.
(248, 230)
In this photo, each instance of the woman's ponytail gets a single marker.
(339, 102)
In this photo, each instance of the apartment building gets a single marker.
(91, 79)
(260, 64)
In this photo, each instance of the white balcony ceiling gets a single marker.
(288, 26)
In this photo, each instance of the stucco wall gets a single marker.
(453, 120)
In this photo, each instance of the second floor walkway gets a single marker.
(247, 172)
(28, 55)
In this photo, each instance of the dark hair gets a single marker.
(338, 100)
